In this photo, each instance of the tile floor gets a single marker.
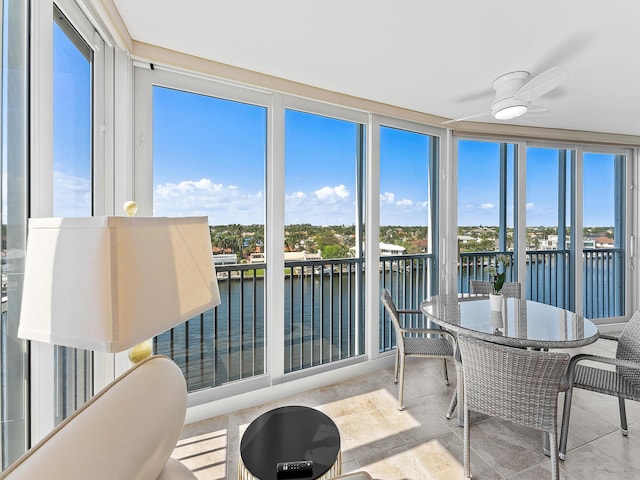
(420, 443)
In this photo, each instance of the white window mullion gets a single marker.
(578, 225)
(41, 198)
(274, 241)
(632, 214)
(448, 208)
(521, 215)
(372, 231)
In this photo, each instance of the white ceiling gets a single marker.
(438, 57)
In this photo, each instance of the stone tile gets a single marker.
(590, 462)
(419, 423)
(396, 464)
(507, 452)
(368, 434)
(453, 444)
(590, 419)
(420, 443)
(205, 454)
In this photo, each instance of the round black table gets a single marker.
(289, 434)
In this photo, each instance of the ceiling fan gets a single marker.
(515, 93)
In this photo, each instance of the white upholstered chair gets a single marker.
(126, 431)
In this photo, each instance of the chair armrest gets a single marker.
(597, 358)
(604, 336)
(435, 331)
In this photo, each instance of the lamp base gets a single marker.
(141, 351)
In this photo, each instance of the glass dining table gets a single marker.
(520, 323)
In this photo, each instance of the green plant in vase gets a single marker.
(498, 272)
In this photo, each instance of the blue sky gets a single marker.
(209, 159)
(72, 129)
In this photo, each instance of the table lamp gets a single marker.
(109, 283)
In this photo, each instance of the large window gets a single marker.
(212, 162)
(604, 214)
(14, 414)
(408, 220)
(486, 208)
(549, 225)
(574, 215)
(324, 161)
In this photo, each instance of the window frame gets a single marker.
(42, 373)
(630, 210)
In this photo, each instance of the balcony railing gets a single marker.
(322, 312)
(549, 278)
(324, 308)
(409, 279)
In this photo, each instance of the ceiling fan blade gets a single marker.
(541, 84)
(465, 118)
(537, 109)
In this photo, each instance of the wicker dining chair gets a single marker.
(415, 342)
(509, 289)
(623, 382)
(514, 384)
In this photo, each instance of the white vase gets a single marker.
(496, 302)
(496, 319)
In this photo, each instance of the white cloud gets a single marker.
(487, 206)
(529, 206)
(404, 211)
(333, 194)
(324, 206)
(296, 195)
(387, 197)
(222, 204)
(72, 195)
(329, 205)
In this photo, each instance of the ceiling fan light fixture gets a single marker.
(510, 112)
(506, 108)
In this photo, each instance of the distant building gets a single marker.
(225, 259)
(551, 243)
(386, 249)
(288, 256)
(391, 249)
(604, 242)
(466, 239)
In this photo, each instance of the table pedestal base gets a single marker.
(334, 471)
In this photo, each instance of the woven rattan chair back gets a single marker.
(518, 385)
(415, 342)
(509, 289)
(629, 349)
(594, 373)
(392, 311)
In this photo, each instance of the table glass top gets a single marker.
(521, 322)
(290, 434)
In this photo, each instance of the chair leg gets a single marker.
(446, 374)
(395, 372)
(460, 388)
(467, 446)
(564, 432)
(453, 404)
(553, 450)
(401, 389)
(623, 417)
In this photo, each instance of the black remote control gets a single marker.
(303, 468)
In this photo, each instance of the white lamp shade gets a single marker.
(108, 283)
